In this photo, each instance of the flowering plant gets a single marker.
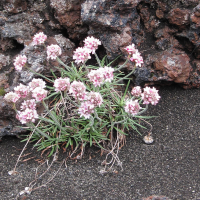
(86, 104)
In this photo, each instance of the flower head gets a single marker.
(62, 84)
(92, 43)
(11, 97)
(96, 77)
(131, 49)
(136, 91)
(31, 104)
(19, 62)
(53, 51)
(39, 38)
(108, 73)
(27, 116)
(81, 54)
(86, 109)
(22, 90)
(95, 98)
(39, 93)
(37, 82)
(150, 95)
(78, 90)
(137, 58)
(132, 107)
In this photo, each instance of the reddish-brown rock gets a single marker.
(174, 64)
(68, 13)
(15, 6)
(179, 17)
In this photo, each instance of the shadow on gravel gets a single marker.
(169, 167)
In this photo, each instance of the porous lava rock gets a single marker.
(68, 13)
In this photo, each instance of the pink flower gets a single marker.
(81, 54)
(131, 49)
(78, 90)
(27, 116)
(53, 51)
(101, 75)
(11, 97)
(150, 95)
(31, 104)
(92, 43)
(86, 109)
(96, 77)
(22, 90)
(62, 84)
(108, 73)
(136, 91)
(39, 38)
(39, 93)
(19, 62)
(132, 107)
(37, 82)
(137, 58)
(95, 98)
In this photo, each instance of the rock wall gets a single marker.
(166, 32)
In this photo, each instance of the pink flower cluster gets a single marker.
(36, 82)
(150, 95)
(20, 62)
(28, 111)
(37, 86)
(11, 97)
(82, 54)
(26, 116)
(101, 75)
(39, 93)
(22, 90)
(53, 51)
(78, 90)
(136, 57)
(62, 84)
(92, 43)
(95, 98)
(39, 38)
(31, 104)
(87, 107)
(132, 107)
(136, 91)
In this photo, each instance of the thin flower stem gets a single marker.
(29, 138)
(126, 76)
(32, 126)
(143, 110)
(91, 121)
(63, 64)
(149, 125)
(96, 116)
(53, 117)
(97, 58)
(86, 67)
(64, 103)
(119, 122)
(122, 66)
(39, 74)
(75, 104)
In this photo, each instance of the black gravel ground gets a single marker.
(168, 167)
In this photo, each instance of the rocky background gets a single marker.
(166, 32)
